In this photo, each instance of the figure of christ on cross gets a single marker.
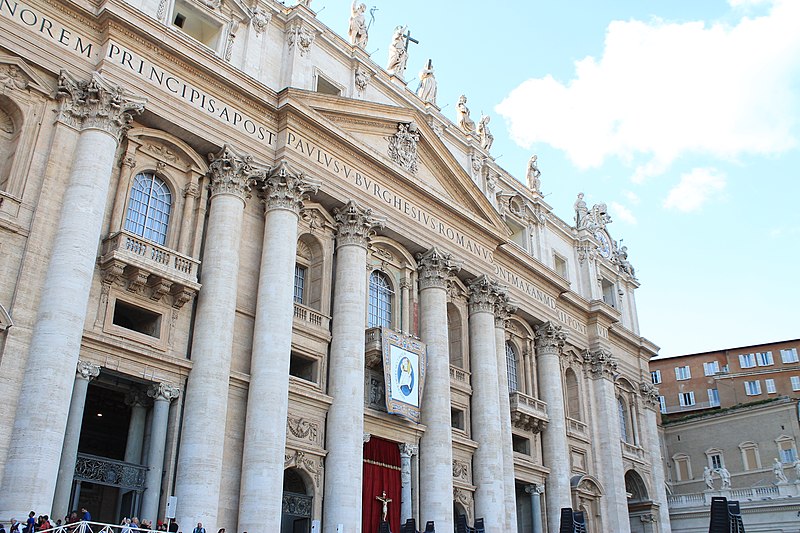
(383, 499)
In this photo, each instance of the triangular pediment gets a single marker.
(370, 127)
(15, 74)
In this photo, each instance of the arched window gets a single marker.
(148, 209)
(379, 309)
(573, 395)
(623, 420)
(511, 365)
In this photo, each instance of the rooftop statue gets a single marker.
(466, 124)
(398, 53)
(484, 133)
(427, 84)
(358, 25)
(534, 183)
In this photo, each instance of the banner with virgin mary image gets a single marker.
(404, 363)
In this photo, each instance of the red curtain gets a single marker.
(381, 473)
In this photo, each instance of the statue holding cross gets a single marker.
(398, 51)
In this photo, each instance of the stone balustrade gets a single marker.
(308, 317)
(576, 428)
(631, 451)
(460, 379)
(528, 413)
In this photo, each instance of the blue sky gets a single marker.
(682, 116)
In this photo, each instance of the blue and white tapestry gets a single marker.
(404, 373)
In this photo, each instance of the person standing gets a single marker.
(199, 528)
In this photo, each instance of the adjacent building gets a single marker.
(732, 414)
(245, 266)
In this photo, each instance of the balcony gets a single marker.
(460, 379)
(373, 351)
(528, 413)
(631, 451)
(577, 429)
(146, 267)
(308, 319)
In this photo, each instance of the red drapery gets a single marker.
(381, 473)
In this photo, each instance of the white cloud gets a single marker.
(620, 212)
(662, 90)
(695, 188)
(632, 197)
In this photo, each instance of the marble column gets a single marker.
(488, 473)
(206, 405)
(135, 441)
(549, 342)
(436, 444)
(162, 394)
(535, 490)
(261, 491)
(69, 452)
(102, 112)
(603, 370)
(503, 311)
(406, 509)
(649, 394)
(345, 428)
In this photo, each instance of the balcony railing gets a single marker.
(632, 451)
(704, 499)
(143, 264)
(104, 471)
(92, 527)
(528, 413)
(576, 428)
(686, 408)
(311, 317)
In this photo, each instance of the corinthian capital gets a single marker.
(483, 295)
(87, 370)
(285, 188)
(435, 267)
(163, 391)
(97, 104)
(649, 394)
(231, 173)
(549, 338)
(503, 309)
(601, 363)
(355, 224)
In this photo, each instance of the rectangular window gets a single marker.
(608, 292)
(299, 284)
(752, 388)
(795, 382)
(711, 368)
(560, 265)
(521, 444)
(770, 383)
(137, 319)
(764, 358)
(750, 458)
(655, 375)
(715, 460)
(457, 419)
(663, 403)
(686, 398)
(788, 452)
(747, 360)
(789, 356)
(303, 367)
(713, 397)
(682, 468)
(682, 372)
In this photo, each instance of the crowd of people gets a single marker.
(72, 521)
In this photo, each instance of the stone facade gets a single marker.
(208, 210)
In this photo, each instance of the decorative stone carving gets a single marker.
(580, 210)
(535, 488)
(163, 391)
(407, 450)
(600, 363)
(587, 251)
(483, 294)
(464, 121)
(298, 459)
(620, 257)
(285, 188)
(162, 152)
(134, 398)
(87, 370)
(302, 429)
(233, 26)
(461, 470)
(297, 505)
(403, 146)
(398, 53)
(355, 224)
(12, 77)
(358, 31)
(549, 338)
(484, 133)
(464, 497)
(162, 9)
(648, 518)
(301, 37)
(435, 267)
(649, 394)
(594, 219)
(231, 173)
(260, 20)
(503, 310)
(96, 104)
(361, 79)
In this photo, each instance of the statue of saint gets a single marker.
(427, 84)
(534, 183)
(725, 475)
(580, 211)
(708, 477)
(466, 124)
(484, 133)
(358, 25)
(777, 469)
(398, 55)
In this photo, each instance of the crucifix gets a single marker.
(383, 499)
(408, 37)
